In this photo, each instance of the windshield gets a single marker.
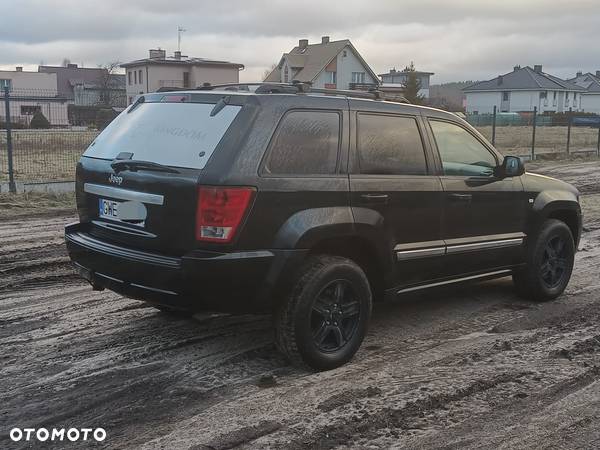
(173, 134)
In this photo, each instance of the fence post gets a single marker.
(570, 121)
(533, 136)
(11, 175)
(494, 127)
(598, 146)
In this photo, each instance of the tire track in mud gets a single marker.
(456, 368)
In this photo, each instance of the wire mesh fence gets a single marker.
(48, 132)
(43, 134)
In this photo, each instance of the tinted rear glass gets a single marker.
(389, 145)
(305, 143)
(173, 134)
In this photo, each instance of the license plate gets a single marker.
(108, 209)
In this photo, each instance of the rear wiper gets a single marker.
(134, 165)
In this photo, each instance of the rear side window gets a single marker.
(390, 145)
(173, 134)
(305, 143)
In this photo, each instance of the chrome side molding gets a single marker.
(418, 250)
(496, 273)
(123, 194)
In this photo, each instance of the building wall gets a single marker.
(590, 103)
(483, 102)
(161, 75)
(32, 81)
(56, 112)
(345, 66)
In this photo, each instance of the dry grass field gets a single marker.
(517, 140)
(52, 155)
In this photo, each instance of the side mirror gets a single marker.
(512, 166)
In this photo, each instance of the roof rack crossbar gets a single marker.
(296, 87)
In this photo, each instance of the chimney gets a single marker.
(325, 40)
(517, 67)
(178, 55)
(303, 43)
(158, 54)
(537, 68)
(72, 66)
(579, 73)
(500, 80)
(598, 73)
(19, 69)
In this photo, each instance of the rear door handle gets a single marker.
(375, 198)
(460, 197)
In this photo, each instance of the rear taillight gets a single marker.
(220, 212)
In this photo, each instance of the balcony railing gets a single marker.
(171, 83)
(362, 86)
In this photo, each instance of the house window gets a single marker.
(140, 76)
(129, 78)
(345, 53)
(554, 99)
(6, 83)
(130, 98)
(135, 77)
(332, 77)
(30, 110)
(186, 79)
(286, 74)
(505, 96)
(358, 77)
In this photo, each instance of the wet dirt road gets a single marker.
(471, 367)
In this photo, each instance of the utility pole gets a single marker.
(179, 31)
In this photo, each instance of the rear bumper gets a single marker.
(200, 280)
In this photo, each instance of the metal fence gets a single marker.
(531, 135)
(43, 133)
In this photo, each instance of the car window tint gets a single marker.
(461, 153)
(389, 145)
(305, 143)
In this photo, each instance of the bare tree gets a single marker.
(268, 71)
(108, 84)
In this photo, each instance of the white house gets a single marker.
(327, 64)
(398, 78)
(179, 71)
(521, 90)
(31, 92)
(590, 99)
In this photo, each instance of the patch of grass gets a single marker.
(36, 203)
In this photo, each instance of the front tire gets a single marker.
(323, 321)
(550, 259)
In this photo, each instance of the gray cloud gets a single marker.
(458, 39)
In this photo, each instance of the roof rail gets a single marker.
(295, 87)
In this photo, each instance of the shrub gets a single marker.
(39, 121)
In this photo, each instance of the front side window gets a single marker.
(305, 143)
(390, 145)
(461, 153)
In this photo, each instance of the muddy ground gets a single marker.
(471, 367)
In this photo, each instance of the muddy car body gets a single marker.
(311, 206)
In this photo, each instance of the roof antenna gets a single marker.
(179, 31)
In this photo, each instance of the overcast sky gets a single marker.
(456, 39)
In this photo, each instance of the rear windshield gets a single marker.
(173, 134)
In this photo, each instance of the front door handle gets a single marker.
(460, 197)
(375, 198)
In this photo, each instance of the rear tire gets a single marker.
(323, 321)
(550, 259)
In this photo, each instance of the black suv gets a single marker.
(310, 204)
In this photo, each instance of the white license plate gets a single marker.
(108, 208)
